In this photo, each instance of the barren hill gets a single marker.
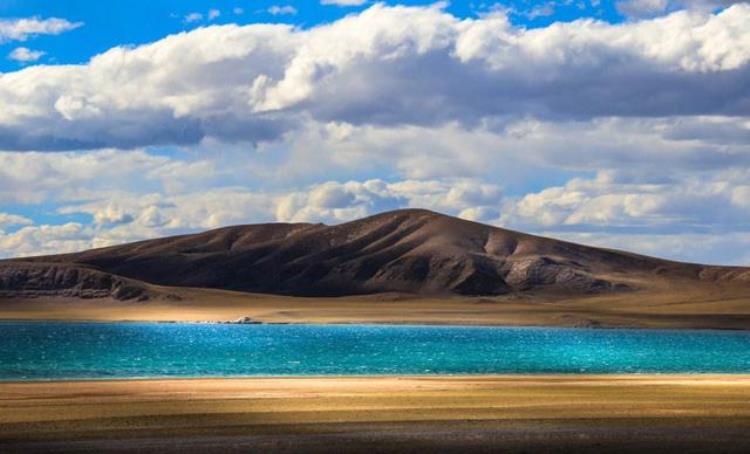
(410, 251)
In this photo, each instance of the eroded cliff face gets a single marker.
(413, 251)
(30, 280)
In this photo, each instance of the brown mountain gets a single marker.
(410, 251)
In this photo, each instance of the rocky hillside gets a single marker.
(414, 251)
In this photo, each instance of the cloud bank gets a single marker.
(385, 66)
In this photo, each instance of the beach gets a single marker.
(556, 413)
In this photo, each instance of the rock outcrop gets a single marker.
(31, 280)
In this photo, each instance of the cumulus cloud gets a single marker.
(134, 195)
(111, 214)
(25, 55)
(120, 217)
(332, 201)
(650, 8)
(192, 17)
(254, 83)
(10, 220)
(543, 10)
(609, 210)
(36, 178)
(671, 184)
(211, 15)
(516, 153)
(642, 8)
(155, 213)
(279, 10)
(714, 203)
(45, 239)
(22, 29)
(725, 249)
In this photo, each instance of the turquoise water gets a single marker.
(34, 351)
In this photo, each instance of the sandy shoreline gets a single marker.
(684, 308)
(388, 413)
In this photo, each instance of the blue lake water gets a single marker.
(39, 351)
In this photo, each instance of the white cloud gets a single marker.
(111, 214)
(384, 66)
(543, 10)
(128, 217)
(210, 15)
(278, 10)
(121, 216)
(134, 195)
(650, 8)
(45, 239)
(716, 202)
(642, 8)
(22, 29)
(723, 249)
(136, 216)
(25, 55)
(238, 11)
(336, 202)
(32, 178)
(10, 220)
(192, 17)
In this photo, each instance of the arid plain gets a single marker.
(381, 414)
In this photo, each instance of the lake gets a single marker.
(45, 351)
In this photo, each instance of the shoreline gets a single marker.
(447, 324)
(704, 308)
(505, 376)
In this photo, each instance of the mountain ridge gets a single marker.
(411, 251)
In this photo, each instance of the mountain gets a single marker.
(409, 251)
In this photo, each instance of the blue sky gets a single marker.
(127, 120)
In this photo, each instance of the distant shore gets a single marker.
(380, 414)
(370, 323)
(678, 308)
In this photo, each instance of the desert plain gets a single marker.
(544, 413)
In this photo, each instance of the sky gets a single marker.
(622, 124)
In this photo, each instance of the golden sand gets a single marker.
(123, 413)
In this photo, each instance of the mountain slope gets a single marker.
(414, 251)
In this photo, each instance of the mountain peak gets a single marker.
(411, 250)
